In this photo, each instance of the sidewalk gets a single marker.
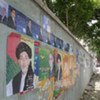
(92, 91)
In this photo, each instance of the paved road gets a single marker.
(92, 91)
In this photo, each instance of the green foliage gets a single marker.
(97, 3)
(75, 14)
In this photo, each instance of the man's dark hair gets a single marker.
(12, 9)
(21, 48)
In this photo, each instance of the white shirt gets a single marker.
(14, 20)
(22, 82)
(9, 89)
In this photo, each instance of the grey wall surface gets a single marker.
(33, 11)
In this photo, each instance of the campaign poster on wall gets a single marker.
(73, 69)
(46, 29)
(23, 24)
(46, 88)
(61, 44)
(57, 42)
(52, 39)
(36, 63)
(45, 55)
(66, 78)
(71, 49)
(58, 90)
(66, 47)
(20, 69)
(77, 63)
(3, 12)
(46, 23)
(46, 72)
(45, 36)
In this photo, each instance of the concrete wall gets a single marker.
(35, 12)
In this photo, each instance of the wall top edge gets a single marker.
(44, 7)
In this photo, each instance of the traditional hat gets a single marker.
(21, 48)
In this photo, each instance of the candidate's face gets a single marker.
(59, 63)
(51, 60)
(24, 61)
(30, 24)
(13, 13)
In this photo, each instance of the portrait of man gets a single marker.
(29, 28)
(73, 69)
(3, 18)
(51, 63)
(59, 68)
(58, 43)
(43, 62)
(45, 36)
(23, 80)
(51, 39)
(12, 19)
(66, 80)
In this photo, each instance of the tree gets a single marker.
(75, 14)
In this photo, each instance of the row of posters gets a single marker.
(24, 25)
(34, 65)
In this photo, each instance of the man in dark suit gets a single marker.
(22, 81)
(59, 69)
(51, 63)
(12, 19)
(3, 18)
(29, 28)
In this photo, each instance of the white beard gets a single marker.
(24, 70)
